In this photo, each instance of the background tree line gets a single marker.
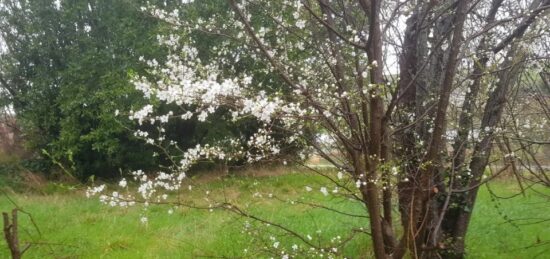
(66, 71)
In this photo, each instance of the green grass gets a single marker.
(507, 227)
(73, 226)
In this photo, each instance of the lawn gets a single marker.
(73, 226)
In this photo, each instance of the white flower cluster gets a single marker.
(141, 114)
(261, 107)
(91, 191)
(261, 145)
(192, 155)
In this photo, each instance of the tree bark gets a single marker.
(376, 112)
(482, 150)
(10, 234)
(422, 208)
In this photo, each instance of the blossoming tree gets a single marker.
(407, 95)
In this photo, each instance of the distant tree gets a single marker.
(66, 71)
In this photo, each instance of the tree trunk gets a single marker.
(10, 234)
(482, 151)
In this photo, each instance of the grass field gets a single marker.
(73, 226)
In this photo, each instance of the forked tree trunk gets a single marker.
(482, 150)
(458, 219)
(11, 234)
(419, 209)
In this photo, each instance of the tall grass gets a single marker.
(75, 227)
